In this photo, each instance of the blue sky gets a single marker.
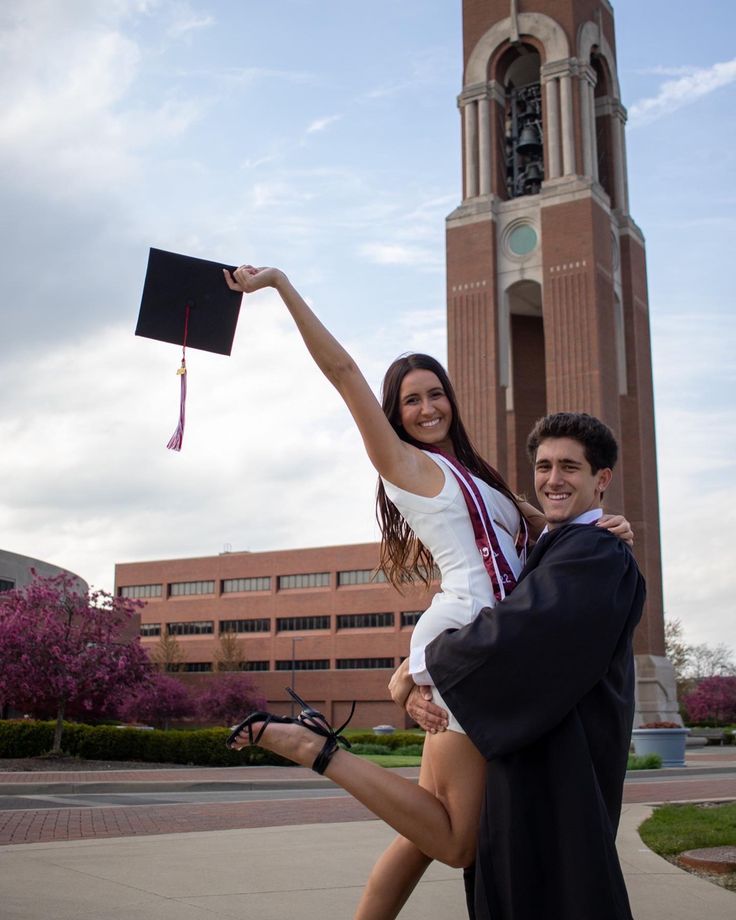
(324, 138)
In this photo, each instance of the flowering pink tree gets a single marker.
(229, 697)
(713, 700)
(62, 649)
(159, 701)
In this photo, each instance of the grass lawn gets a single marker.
(393, 760)
(675, 828)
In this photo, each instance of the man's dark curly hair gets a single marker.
(599, 444)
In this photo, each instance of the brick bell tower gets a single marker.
(546, 270)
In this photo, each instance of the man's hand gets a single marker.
(420, 707)
(401, 684)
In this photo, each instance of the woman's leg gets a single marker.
(392, 880)
(397, 871)
(442, 825)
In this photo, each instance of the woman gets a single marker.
(414, 442)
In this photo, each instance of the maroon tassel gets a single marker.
(176, 439)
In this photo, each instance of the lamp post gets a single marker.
(294, 640)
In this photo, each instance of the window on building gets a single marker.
(364, 620)
(312, 580)
(294, 624)
(410, 617)
(261, 624)
(361, 577)
(182, 588)
(255, 666)
(195, 628)
(234, 585)
(304, 664)
(140, 591)
(363, 664)
(6, 584)
(150, 629)
(197, 666)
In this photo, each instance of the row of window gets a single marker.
(283, 624)
(263, 583)
(309, 664)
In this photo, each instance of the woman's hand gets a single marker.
(248, 279)
(619, 526)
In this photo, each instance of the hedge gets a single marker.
(203, 747)
(391, 742)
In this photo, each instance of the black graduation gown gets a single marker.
(543, 684)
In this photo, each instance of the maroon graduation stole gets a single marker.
(496, 564)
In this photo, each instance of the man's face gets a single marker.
(564, 482)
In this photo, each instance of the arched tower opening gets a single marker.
(518, 72)
(526, 396)
(603, 128)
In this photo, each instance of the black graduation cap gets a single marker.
(187, 302)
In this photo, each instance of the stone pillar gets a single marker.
(587, 113)
(568, 126)
(484, 147)
(470, 112)
(618, 121)
(552, 134)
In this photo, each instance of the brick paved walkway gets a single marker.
(79, 823)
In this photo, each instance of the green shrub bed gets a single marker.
(203, 747)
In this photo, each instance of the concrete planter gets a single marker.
(669, 743)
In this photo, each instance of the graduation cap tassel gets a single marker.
(176, 439)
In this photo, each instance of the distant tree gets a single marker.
(710, 661)
(228, 698)
(676, 649)
(713, 700)
(62, 649)
(230, 653)
(167, 655)
(163, 699)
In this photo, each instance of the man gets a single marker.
(543, 684)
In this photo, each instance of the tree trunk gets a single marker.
(59, 728)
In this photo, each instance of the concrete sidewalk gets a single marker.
(303, 859)
(307, 872)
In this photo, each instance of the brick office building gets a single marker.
(319, 618)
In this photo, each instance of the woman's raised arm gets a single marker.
(393, 458)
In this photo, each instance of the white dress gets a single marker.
(443, 525)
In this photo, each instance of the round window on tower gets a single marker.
(521, 239)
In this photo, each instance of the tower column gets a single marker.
(618, 120)
(587, 112)
(484, 146)
(568, 127)
(470, 119)
(552, 136)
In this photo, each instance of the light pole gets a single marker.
(294, 640)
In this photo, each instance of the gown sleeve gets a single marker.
(520, 667)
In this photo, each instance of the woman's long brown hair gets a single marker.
(404, 557)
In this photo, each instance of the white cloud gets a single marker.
(319, 124)
(66, 120)
(400, 254)
(676, 93)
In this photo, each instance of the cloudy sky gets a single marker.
(322, 137)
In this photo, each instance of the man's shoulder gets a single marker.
(589, 540)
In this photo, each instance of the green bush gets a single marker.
(387, 742)
(644, 762)
(203, 747)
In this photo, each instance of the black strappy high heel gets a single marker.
(310, 718)
(266, 717)
(314, 720)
